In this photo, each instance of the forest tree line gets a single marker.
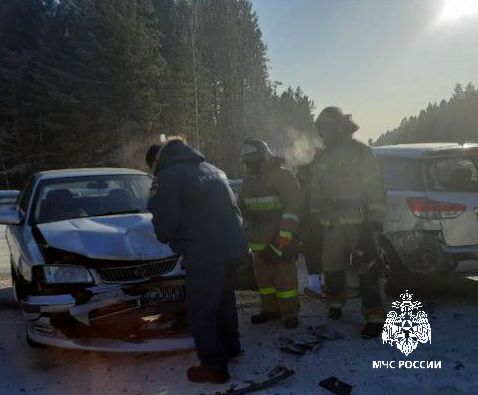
(453, 120)
(92, 83)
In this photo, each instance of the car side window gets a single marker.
(453, 175)
(25, 196)
(402, 174)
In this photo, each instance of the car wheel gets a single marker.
(18, 285)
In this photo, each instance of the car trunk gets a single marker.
(452, 186)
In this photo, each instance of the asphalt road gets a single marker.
(449, 303)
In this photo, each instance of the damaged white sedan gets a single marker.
(87, 269)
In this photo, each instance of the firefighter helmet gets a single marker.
(255, 150)
(334, 116)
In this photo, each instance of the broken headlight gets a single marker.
(66, 274)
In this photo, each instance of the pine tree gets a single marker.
(92, 83)
(454, 120)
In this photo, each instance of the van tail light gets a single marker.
(431, 209)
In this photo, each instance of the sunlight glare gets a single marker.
(454, 10)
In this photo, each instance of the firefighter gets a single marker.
(195, 211)
(270, 199)
(347, 197)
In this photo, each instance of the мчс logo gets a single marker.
(408, 326)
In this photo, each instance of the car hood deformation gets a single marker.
(122, 237)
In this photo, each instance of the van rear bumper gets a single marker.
(460, 253)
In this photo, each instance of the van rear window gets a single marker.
(402, 174)
(452, 174)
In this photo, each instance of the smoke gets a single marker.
(300, 147)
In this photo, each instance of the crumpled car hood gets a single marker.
(121, 237)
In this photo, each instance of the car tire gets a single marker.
(18, 285)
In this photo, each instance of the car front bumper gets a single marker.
(40, 331)
(111, 319)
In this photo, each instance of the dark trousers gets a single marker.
(278, 285)
(212, 311)
(339, 244)
(312, 245)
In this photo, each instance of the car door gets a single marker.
(452, 184)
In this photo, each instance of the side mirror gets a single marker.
(10, 216)
(8, 197)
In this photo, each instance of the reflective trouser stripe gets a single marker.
(257, 247)
(290, 293)
(285, 234)
(267, 291)
(281, 277)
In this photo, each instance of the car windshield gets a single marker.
(453, 174)
(402, 174)
(90, 196)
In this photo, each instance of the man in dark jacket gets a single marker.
(195, 211)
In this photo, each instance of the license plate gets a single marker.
(157, 296)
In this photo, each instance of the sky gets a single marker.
(379, 60)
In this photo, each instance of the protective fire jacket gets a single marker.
(347, 186)
(270, 202)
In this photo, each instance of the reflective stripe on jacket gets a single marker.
(347, 186)
(270, 202)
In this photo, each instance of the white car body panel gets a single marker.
(398, 217)
(125, 239)
(23, 249)
(462, 230)
(456, 237)
(121, 237)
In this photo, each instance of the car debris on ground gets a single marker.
(275, 375)
(310, 340)
(333, 384)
